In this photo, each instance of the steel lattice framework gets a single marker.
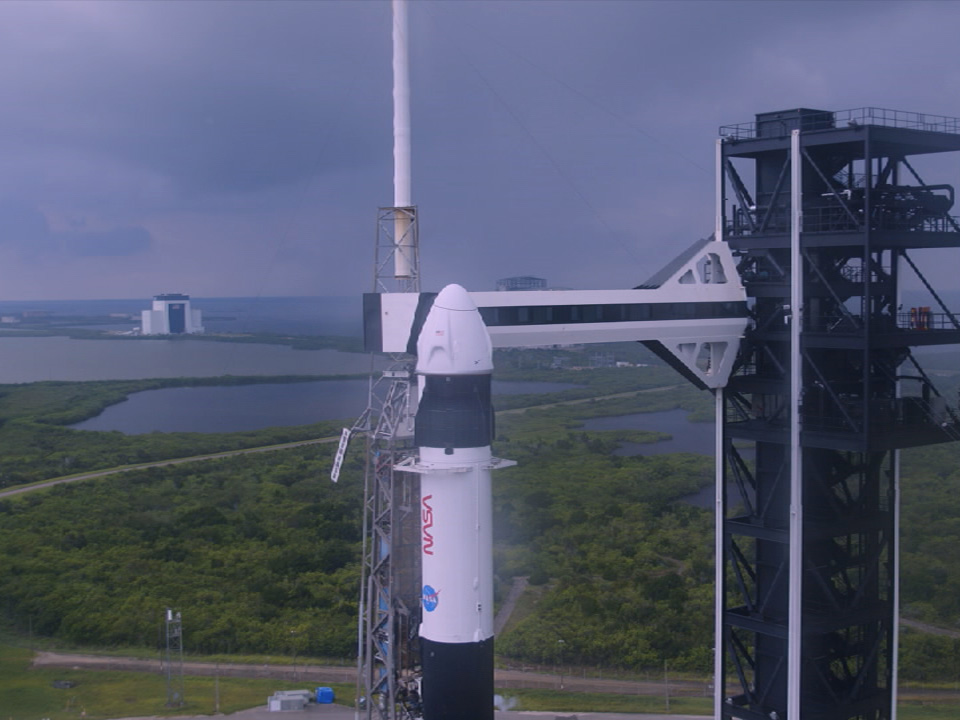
(825, 393)
(398, 234)
(389, 603)
(173, 658)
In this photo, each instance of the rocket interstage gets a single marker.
(454, 430)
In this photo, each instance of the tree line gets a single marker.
(261, 553)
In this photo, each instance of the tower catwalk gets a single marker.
(826, 212)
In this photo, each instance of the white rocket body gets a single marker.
(454, 429)
(457, 543)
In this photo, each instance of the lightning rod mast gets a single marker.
(389, 603)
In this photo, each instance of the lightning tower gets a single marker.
(387, 686)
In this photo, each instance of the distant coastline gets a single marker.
(303, 316)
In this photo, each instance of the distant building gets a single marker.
(523, 282)
(171, 315)
(602, 360)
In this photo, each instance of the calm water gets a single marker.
(692, 437)
(252, 407)
(30, 359)
(687, 436)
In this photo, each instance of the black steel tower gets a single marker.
(826, 212)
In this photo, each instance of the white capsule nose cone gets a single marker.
(454, 297)
(454, 340)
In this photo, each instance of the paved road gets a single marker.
(321, 674)
(339, 712)
(313, 675)
(929, 629)
(162, 463)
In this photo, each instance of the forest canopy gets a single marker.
(261, 553)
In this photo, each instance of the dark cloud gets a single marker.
(25, 230)
(567, 139)
(216, 97)
(118, 242)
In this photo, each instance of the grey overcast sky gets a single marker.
(242, 148)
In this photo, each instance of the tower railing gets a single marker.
(855, 117)
(829, 218)
(883, 415)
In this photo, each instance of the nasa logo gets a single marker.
(426, 515)
(431, 598)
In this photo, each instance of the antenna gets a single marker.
(173, 625)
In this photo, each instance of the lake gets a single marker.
(692, 437)
(686, 436)
(237, 408)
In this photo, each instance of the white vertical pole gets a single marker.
(895, 640)
(719, 510)
(401, 140)
(719, 681)
(794, 634)
(718, 228)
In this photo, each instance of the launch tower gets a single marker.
(828, 214)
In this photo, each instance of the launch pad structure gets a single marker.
(388, 652)
(388, 623)
(809, 255)
(825, 393)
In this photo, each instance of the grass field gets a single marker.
(29, 694)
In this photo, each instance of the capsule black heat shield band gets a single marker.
(455, 412)
(457, 680)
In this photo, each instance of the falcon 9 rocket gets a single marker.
(454, 429)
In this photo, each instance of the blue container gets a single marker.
(324, 695)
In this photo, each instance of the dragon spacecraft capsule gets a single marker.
(454, 429)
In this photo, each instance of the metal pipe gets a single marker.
(794, 611)
(719, 510)
(403, 240)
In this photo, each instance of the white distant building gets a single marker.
(523, 282)
(171, 315)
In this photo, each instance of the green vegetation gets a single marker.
(66, 328)
(260, 553)
(605, 702)
(28, 694)
(625, 571)
(591, 384)
(556, 701)
(927, 710)
(37, 446)
(930, 563)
